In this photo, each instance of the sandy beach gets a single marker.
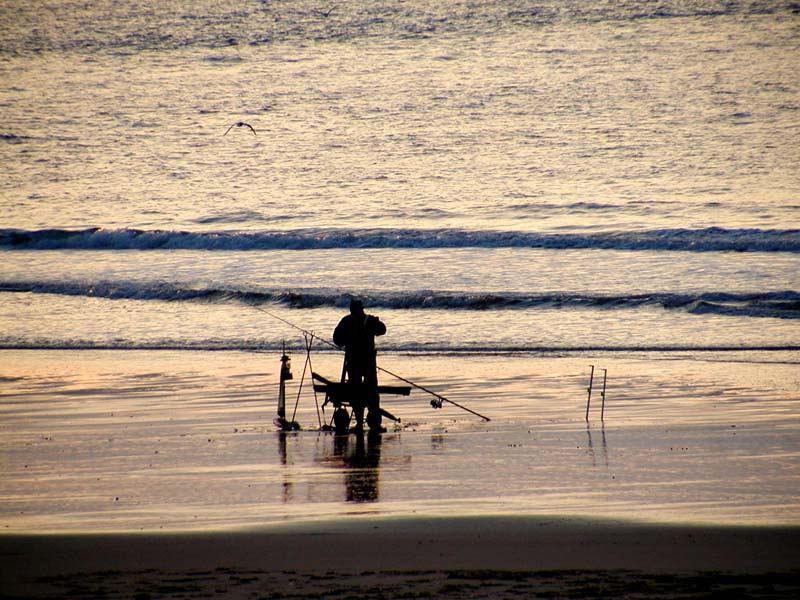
(159, 475)
(385, 558)
(533, 198)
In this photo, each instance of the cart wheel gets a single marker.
(341, 420)
(374, 419)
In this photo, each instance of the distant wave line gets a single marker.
(775, 304)
(710, 239)
(423, 349)
(259, 25)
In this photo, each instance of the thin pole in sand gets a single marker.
(589, 399)
(603, 395)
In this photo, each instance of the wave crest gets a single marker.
(423, 349)
(711, 239)
(775, 304)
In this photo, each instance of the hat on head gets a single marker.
(356, 306)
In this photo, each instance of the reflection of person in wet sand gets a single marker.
(356, 332)
(362, 461)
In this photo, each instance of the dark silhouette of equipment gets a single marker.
(356, 397)
(286, 375)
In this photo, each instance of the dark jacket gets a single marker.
(356, 333)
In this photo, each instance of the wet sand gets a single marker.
(444, 557)
(154, 442)
(160, 475)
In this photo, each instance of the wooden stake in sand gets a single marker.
(603, 396)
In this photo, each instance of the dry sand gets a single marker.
(430, 557)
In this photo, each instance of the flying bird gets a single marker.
(240, 124)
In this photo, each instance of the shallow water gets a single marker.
(508, 299)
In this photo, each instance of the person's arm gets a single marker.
(340, 333)
(375, 325)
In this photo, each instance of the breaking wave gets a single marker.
(776, 304)
(711, 239)
(425, 349)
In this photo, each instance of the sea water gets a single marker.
(486, 175)
(527, 181)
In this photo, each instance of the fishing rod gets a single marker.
(437, 403)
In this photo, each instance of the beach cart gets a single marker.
(356, 397)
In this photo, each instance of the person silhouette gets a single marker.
(356, 333)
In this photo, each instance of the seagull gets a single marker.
(240, 124)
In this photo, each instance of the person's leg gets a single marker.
(374, 417)
(356, 376)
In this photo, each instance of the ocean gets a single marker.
(535, 186)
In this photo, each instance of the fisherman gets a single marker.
(356, 333)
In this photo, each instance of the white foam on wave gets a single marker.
(222, 345)
(711, 239)
(783, 304)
